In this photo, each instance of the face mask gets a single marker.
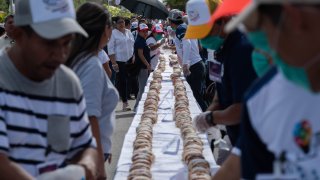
(259, 40)
(212, 42)
(261, 58)
(158, 37)
(260, 63)
(297, 75)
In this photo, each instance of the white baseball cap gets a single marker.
(143, 27)
(134, 25)
(157, 28)
(253, 6)
(199, 17)
(50, 19)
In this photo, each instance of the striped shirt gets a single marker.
(25, 110)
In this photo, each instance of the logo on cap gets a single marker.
(57, 5)
(193, 15)
(143, 27)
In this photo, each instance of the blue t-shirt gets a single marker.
(237, 74)
(280, 121)
(141, 43)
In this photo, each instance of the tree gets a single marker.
(4, 9)
(116, 11)
(4, 6)
(176, 4)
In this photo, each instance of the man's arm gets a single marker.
(230, 169)
(228, 116)
(214, 106)
(186, 49)
(143, 59)
(154, 46)
(88, 159)
(11, 170)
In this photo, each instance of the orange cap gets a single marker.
(229, 8)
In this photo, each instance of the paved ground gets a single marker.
(123, 122)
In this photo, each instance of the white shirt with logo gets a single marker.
(281, 119)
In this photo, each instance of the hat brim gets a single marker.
(243, 16)
(58, 28)
(229, 8)
(198, 32)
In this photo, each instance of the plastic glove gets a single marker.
(115, 67)
(186, 70)
(70, 172)
(200, 122)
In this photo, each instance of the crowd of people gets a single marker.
(61, 70)
(266, 70)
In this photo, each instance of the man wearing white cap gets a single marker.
(280, 135)
(134, 29)
(192, 64)
(142, 55)
(44, 128)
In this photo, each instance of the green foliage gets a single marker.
(2, 16)
(176, 4)
(115, 11)
(4, 6)
(77, 3)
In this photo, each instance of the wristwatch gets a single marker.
(209, 119)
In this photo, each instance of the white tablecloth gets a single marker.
(166, 165)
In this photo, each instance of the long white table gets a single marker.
(166, 165)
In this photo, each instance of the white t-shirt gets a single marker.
(280, 120)
(155, 53)
(101, 97)
(103, 56)
(188, 50)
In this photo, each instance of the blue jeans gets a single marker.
(197, 80)
(142, 80)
